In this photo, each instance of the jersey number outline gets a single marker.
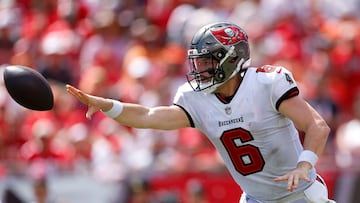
(246, 158)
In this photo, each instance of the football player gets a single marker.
(251, 115)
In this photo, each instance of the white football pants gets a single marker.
(316, 193)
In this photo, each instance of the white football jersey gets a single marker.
(256, 142)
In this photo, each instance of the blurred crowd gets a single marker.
(135, 51)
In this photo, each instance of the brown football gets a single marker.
(28, 88)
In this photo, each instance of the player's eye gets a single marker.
(203, 63)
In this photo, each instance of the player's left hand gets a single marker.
(293, 177)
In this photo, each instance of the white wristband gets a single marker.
(308, 156)
(115, 110)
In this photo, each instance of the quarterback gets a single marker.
(251, 115)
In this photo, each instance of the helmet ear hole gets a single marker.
(219, 55)
(219, 75)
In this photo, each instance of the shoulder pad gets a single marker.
(268, 74)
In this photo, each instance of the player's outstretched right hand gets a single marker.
(94, 103)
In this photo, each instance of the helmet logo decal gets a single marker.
(195, 51)
(192, 52)
(229, 35)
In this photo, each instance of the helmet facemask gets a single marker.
(207, 72)
(202, 73)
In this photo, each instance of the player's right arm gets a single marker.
(135, 115)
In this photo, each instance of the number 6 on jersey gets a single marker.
(247, 158)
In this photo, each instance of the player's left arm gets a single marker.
(316, 130)
(308, 120)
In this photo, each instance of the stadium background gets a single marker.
(134, 50)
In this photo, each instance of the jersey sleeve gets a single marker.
(280, 81)
(180, 101)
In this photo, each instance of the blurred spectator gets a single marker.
(94, 80)
(106, 46)
(329, 109)
(106, 145)
(348, 156)
(141, 191)
(10, 196)
(195, 192)
(56, 62)
(41, 191)
(10, 22)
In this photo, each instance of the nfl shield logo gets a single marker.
(228, 110)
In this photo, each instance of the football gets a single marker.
(28, 88)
